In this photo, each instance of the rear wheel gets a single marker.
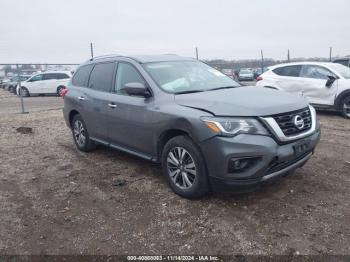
(345, 107)
(81, 135)
(184, 168)
(59, 90)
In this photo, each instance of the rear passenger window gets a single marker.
(62, 76)
(49, 76)
(81, 76)
(288, 70)
(101, 77)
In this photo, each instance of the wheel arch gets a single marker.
(71, 115)
(340, 98)
(165, 136)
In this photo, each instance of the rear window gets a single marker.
(101, 77)
(81, 76)
(288, 70)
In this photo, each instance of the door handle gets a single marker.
(81, 98)
(112, 105)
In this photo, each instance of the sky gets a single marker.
(60, 31)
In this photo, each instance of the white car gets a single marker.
(45, 83)
(325, 85)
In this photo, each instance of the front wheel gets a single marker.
(24, 92)
(80, 135)
(345, 107)
(184, 168)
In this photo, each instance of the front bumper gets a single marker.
(275, 160)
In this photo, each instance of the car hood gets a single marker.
(243, 101)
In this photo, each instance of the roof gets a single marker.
(147, 58)
(302, 63)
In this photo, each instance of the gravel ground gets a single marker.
(57, 200)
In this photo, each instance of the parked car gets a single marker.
(325, 85)
(343, 61)
(4, 82)
(45, 83)
(12, 85)
(246, 75)
(207, 131)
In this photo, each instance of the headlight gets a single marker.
(231, 126)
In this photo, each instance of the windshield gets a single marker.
(245, 71)
(340, 69)
(187, 76)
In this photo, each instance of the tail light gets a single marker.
(63, 92)
(259, 78)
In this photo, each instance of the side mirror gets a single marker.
(137, 89)
(330, 81)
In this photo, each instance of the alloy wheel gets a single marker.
(79, 133)
(181, 167)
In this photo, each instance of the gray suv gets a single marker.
(207, 131)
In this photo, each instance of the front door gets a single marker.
(314, 79)
(130, 117)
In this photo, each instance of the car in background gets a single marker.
(4, 82)
(343, 61)
(45, 83)
(12, 85)
(325, 85)
(245, 74)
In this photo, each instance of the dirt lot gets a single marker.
(56, 200)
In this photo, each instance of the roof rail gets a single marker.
(103, 56)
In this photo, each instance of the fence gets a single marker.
(17, 72)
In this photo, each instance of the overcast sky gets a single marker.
(61, 30)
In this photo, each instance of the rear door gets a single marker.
(314, 79)
(287, 78)
(96, 99)
(130, 121)
(48, 85)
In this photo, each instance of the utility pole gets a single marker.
(330, 54)
(288, 56)
(20, 89)
(262, 60)
(197, 53)
(92, 50)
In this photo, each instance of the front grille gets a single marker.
(287, 125)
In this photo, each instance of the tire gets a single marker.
(80, 135)
(59, 90)
(345, 107)
(24, 92)
(190, 182)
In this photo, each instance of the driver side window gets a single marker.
(126, 73)
(316, 72)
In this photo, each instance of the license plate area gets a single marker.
(301, 147)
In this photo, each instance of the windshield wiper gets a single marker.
(222, 87)
(188, 92)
